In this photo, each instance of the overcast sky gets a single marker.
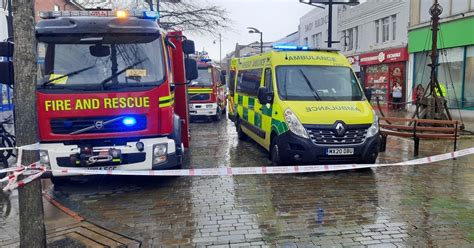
(275, 18)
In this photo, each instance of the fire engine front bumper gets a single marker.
(144, 154)
(203, 109)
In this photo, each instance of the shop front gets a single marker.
(381, 71)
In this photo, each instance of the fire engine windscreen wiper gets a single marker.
(120, 72)
(315, 93)
(51, 80)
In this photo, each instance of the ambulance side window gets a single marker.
(268, 79)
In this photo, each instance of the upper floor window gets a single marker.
(56, 8)
(377, 31)
(394, 27)
(385, 29)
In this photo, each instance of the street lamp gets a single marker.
(330, 3)
(220, 49)
(256, 31)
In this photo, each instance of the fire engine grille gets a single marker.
(199, 97)
(328, 136)
(69, 125)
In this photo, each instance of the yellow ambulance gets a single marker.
(304, 106)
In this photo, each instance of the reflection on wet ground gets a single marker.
(421, 206)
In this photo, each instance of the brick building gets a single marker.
(56, 5)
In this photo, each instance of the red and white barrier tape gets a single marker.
(222, 171)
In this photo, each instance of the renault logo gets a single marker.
(99, 124)
(340, 129)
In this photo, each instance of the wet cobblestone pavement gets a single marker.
(413, 206)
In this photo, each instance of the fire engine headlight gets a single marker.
(159, 153)
(44, 158)
(374, 128)
(294, 124)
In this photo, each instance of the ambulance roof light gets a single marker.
(290, 47)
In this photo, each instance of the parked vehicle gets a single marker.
(105, 97)
(304, 106)
(207, 93)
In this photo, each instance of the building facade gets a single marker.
(374, 38)
(313, 28)
(291, 39)
(456, 44)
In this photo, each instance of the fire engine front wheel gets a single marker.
(60, 181)
(218, 115)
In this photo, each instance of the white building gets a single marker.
(374, 37)
(291, 39)
(3, 20)
(313, 28)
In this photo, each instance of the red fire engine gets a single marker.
(111, 91)
(207, 92)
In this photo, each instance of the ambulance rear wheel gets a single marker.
(240, 133)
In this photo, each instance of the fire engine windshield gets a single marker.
(100, 63)
(204, 78)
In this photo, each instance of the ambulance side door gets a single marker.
(265, 111)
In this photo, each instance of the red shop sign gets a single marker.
(389, 56)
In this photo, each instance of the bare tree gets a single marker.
(197, 16)
(32, 229)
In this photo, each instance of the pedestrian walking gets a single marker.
(419, 92)
(397, 96)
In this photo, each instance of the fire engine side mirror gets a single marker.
(188, 47)
(6, 49)
(6, 71)
(191, 69)
(223, 74)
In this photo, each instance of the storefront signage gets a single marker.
(389, 56)
(353, 59)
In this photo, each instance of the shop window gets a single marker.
(422, 71)
(450, 74)
(469, 79)
(385, 29)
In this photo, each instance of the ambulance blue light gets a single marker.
(153, 15)
(129, 121)
(290, 47)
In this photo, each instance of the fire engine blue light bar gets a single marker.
(129, 121)
(290, 47)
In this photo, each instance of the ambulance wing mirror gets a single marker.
(265, 96)
(6, 71)
(188, 47)
(191, 69)
(6, 49)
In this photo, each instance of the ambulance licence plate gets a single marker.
(340, 151)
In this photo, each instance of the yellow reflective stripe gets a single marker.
(192, 90)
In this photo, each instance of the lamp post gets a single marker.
(330, 3)
(220, 49)
(253, 30)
